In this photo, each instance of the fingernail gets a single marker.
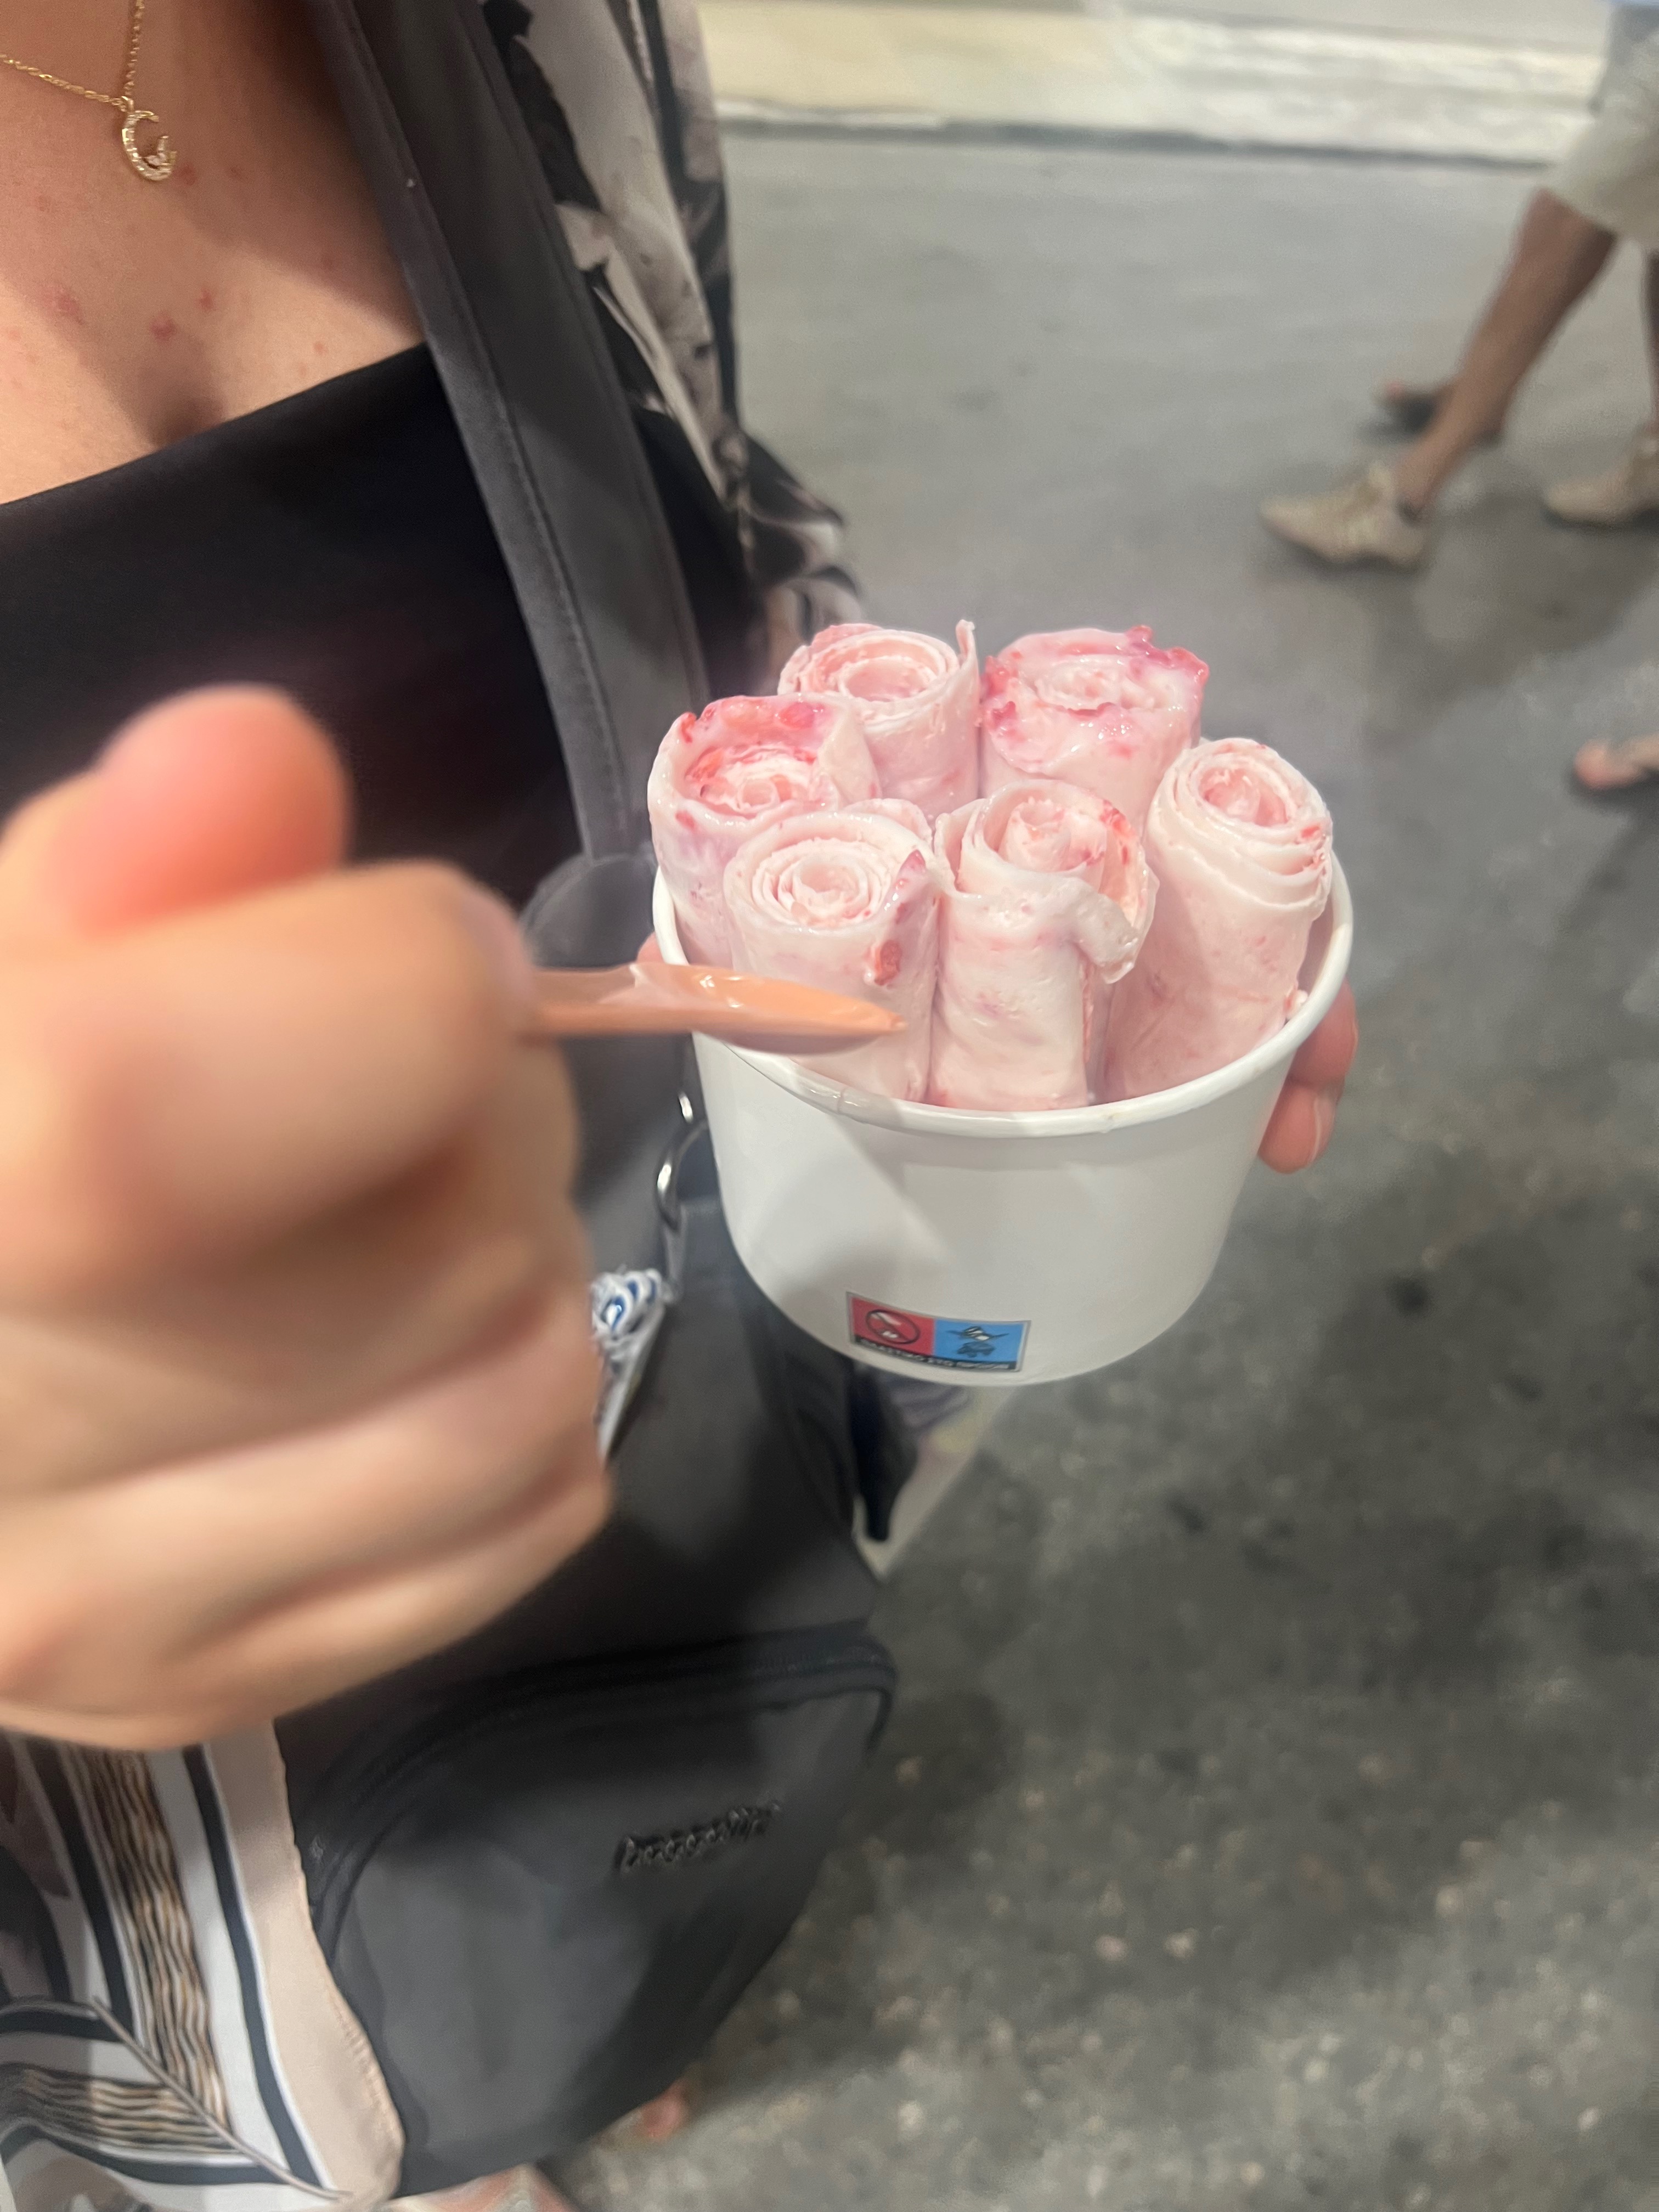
(1324, 1110)
(495, 931)
(132, 742)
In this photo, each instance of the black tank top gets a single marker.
(335, 544)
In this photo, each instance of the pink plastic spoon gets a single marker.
(650, 999)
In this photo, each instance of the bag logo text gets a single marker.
(639, 1853)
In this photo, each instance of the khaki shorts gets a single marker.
(1611, 177)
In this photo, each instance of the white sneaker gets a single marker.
(1623, 495)
(1357, 521)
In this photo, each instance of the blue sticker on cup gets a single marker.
(993, 1347)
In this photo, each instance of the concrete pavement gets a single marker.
(1268, 1820)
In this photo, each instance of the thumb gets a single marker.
(207, 798)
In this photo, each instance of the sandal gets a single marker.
(1603, 771)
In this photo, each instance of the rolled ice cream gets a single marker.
(1240, 842)
(1104, 710)
(848, 901)
(1048, 902)
(737, 767)
(917, 700)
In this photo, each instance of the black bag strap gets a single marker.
(517, 341)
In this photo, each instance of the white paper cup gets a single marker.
(991, 1249)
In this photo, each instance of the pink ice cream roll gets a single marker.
(848, 902)
(1240, 842)
(1050, 900)
(1106, 711)
(916, 698)
(739, 765)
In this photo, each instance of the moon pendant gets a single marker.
(156, 166)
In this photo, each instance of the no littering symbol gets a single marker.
(886, 1327)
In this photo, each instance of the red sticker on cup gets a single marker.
(993, 1347)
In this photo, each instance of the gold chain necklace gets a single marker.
(154, 164)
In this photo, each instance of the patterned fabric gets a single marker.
(169, 2033)
(629, 1312)
(619, 101)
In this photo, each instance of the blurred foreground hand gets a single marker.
(295, 1354)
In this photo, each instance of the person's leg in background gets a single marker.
(1623, 495)
(1606, 188)
(1613, 176)
(1629, 489)
(1383, 515)
(1559, 254)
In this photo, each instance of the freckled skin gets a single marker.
(150, 312)
(17, 341)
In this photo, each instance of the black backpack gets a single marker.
(542, 1866)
